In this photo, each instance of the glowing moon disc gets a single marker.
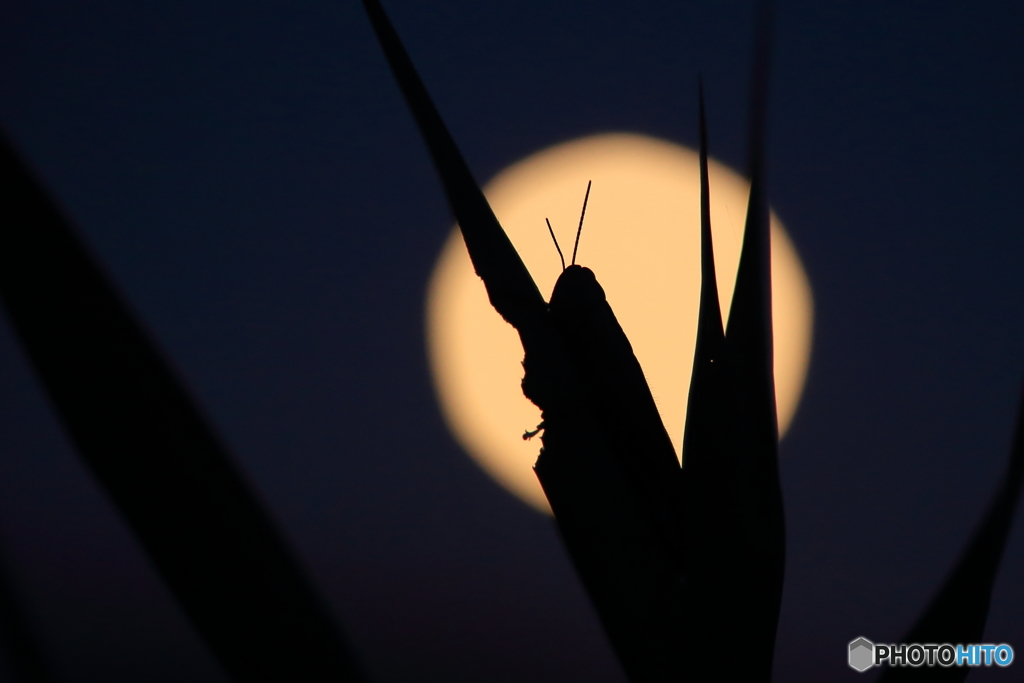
(642, 240)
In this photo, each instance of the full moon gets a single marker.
(641, 238)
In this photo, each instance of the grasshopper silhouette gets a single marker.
(665, 570)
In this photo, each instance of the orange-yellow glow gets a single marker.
(641, 238)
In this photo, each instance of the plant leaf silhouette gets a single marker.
(154, 454)
(731, 498)
(510, 287)
(27, 662)
(713, 506)
(748, 336)
(959, 610)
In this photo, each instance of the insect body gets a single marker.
(611, 377)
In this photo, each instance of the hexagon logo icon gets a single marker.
(862, 654)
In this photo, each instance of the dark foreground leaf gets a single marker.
(26, 660)
(958, 612)
(153, 452)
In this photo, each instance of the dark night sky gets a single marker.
(250, 177)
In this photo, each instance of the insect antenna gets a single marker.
(556, 242)
(580, 229)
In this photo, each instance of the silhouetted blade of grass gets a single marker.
(708, 419)
(26, 660)
(148, 445)
(958, 612)
(510, 288)
(713, 498)
(607, 521)
(710, 415)
(751, 581)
